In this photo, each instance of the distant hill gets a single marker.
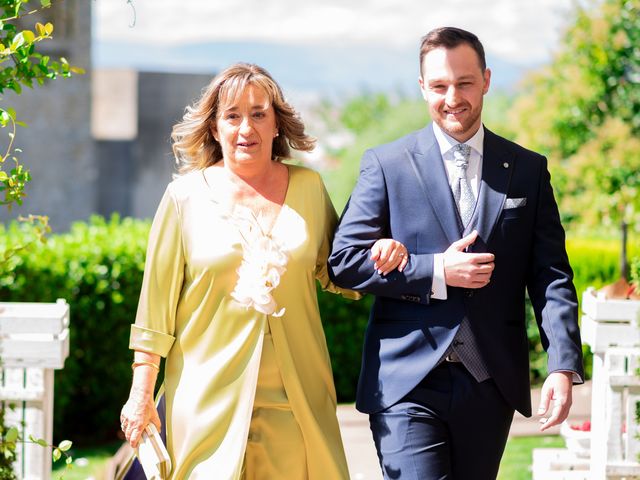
(318, 69)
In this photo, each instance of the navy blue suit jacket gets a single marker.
(403, 193)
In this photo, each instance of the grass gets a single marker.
(88, 463)
(516, 462)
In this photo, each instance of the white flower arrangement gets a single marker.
(263, 263)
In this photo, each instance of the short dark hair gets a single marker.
(451, 37)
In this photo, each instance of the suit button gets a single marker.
(469, 293)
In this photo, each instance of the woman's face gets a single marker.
(246, 127)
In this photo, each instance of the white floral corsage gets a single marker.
(263, 263)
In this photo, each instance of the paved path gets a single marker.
(361, 454)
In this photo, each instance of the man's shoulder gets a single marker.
(511, 146)
(398, 146)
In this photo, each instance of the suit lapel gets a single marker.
(428, 167)
(498, 163)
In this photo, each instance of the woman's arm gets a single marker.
(330, 222)
(152, 334)
(140, 409)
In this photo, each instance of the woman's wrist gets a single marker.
(144, 381)
(141, 393)
(142, 363)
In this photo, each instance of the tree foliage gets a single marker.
(373, 119)
(363, 111)
(21, 65)
(605, 175)
(583, 111)
(635, 274)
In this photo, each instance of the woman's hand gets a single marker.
(140, 409)
(389, 254)
(136, 414)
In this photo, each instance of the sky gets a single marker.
(524, 32)
(329, 49)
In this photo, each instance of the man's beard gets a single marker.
(457, 128)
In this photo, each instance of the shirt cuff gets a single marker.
(577, 379)
(150, 341)
(438, 284)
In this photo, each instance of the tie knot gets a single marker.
(461, 153)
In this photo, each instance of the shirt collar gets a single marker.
(446, 143)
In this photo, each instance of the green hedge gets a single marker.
(635, 274)
(596, 262)
(97, 267)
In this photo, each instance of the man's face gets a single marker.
(453, 85)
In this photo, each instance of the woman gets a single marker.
(228, 296)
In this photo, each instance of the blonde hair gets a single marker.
(194, 146)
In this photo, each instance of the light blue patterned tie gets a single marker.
(464, 347)
(462, 192)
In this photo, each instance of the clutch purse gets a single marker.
(153, 455)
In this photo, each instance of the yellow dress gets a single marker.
(213, 345)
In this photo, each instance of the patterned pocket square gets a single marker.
(515, 202)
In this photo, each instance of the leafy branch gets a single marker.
(10, 439)
(26, 67)
(18, 14)
(12, 183)
(21, 65)
(39, 228)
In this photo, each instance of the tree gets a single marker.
(606, 179)
(21, 65)
(583, 111)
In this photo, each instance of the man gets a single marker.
(445, 359)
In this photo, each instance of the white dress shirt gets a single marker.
(474, 173)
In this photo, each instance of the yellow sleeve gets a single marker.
(330, 223)
(154, 327)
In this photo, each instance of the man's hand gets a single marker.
(557, 388)
(467, 270)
